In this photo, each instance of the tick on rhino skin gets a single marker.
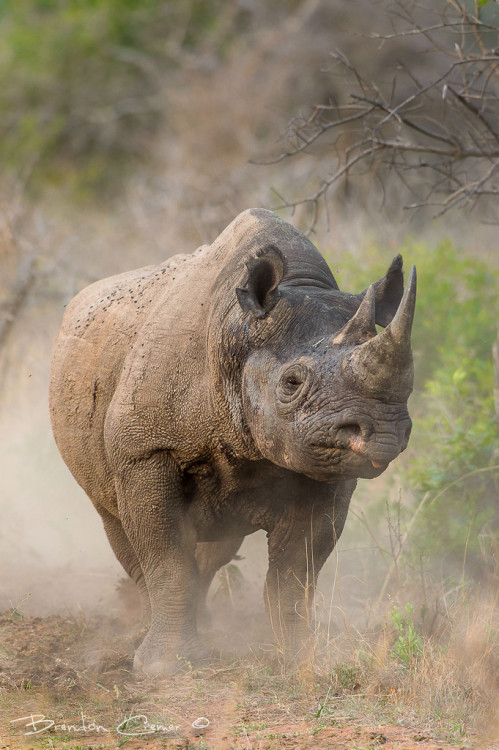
(250, 393)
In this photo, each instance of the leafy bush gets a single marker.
(80, 80)
(452, 459)
(409, 644)
(455, 433)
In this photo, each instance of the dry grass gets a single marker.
(433, 682)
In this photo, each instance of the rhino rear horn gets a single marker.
(265, 272)
(401, 326)
(361, 326)
(378, 305)
(389, 291)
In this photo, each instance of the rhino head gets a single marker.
(323, 393)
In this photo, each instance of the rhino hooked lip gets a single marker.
(357, 444)
(361, 454)
(350, 440)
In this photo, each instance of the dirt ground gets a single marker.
(68, 683)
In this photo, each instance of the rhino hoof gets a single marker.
(157, 668)
(170, 665)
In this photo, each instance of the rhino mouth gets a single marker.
(351, 459)
(356, 444)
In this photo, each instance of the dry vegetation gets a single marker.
(360, 690)
(381, 674)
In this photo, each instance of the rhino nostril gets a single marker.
(351, 435)
(347, 434)
(350, 429)
(354, 431)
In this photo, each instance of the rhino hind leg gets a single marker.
(210, 557)
(128, 559)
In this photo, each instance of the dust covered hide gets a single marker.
(223, 392)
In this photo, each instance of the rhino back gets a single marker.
(256, 228)
(106, 331)
(143, 361)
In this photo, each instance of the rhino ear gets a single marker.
(388, 293)
(265, 272)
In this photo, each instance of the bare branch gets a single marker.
(435, 130)
(307, 142)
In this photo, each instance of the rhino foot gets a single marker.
(170, 663)
(156, 668)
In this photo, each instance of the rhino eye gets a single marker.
(292, 380)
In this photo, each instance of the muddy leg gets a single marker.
(299, 545)
(128, 559)
(152, 510)
(210, 557)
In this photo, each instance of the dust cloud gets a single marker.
(54, 555)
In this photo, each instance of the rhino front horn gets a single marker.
(387, 358)
(401, 325)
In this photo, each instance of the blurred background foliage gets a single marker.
(451, 471)
(81, 81)
(456, 449)
(146, 113)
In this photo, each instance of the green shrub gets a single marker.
(455, 429)
(452, 452)
(80, 80)
(408, 645)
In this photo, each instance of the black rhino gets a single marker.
(223, 392)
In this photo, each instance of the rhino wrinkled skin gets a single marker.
(223, 392)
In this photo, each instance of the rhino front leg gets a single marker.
(126, 555)
(152, 510)
(299, 545)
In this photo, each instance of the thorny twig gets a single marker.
(439, 136)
